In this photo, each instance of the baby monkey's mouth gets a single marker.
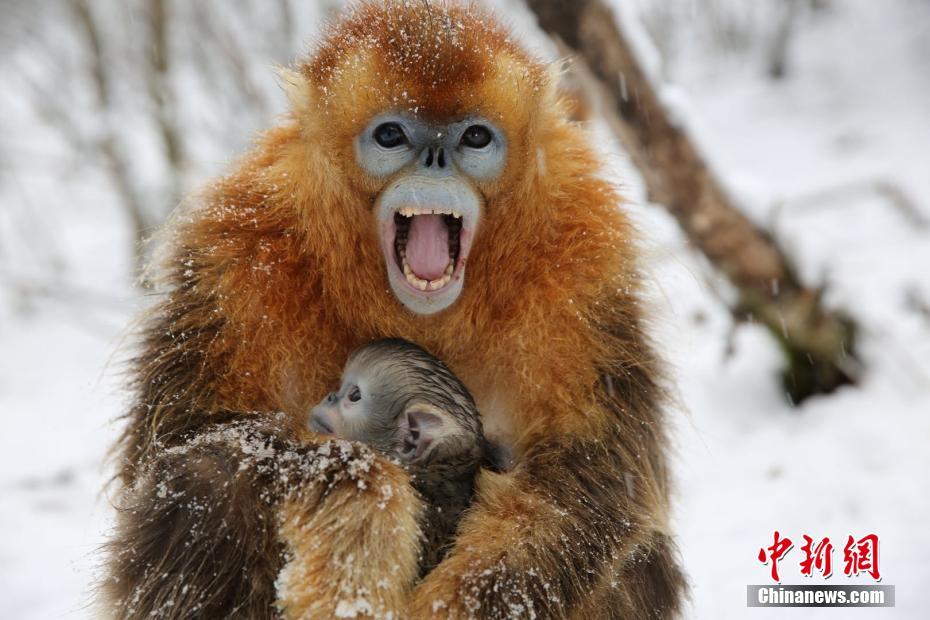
(427, 246)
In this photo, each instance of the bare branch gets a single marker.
(117, 166)
(159, 87)
(778, 53)
(885, 189)
(818, 344)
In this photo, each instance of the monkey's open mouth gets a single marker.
(426, 250)
(427, 246)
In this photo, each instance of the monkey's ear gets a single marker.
(295, 86)
(422, 428)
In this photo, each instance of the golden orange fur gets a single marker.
(278, 275)
(372, 578)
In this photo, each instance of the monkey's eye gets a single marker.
(477, 137)
(390, 135)
(355, 395)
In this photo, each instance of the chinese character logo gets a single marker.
(779, 548)
(859, 556)
(819, 557)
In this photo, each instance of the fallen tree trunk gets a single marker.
(818, 344)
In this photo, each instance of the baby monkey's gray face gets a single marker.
(404, 402)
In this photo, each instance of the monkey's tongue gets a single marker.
(428, 246)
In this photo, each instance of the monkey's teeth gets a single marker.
(411, 211)
(437, 284)
(411, 277)
(417, 282)
(423, 285)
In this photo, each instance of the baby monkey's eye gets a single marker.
(477, 137)
(390, 135)
(355, 395)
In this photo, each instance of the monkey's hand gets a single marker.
(244, 520)
(540, 539)
(351, 534)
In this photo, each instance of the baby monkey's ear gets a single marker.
(423, 427)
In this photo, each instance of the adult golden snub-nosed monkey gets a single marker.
(426, 185)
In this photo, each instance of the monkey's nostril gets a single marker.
(441, 158)
(429, 157)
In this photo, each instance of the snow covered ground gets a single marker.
(804, 154)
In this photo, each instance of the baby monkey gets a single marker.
(405, 403)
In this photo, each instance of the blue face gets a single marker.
(429, 209)
(473, 146)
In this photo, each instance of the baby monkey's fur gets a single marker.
(407, 404)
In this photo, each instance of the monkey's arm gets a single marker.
(567, 523)
(355, 553)
(209, 524)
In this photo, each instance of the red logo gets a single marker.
(859, 556)
(779, 548)
(819, 557)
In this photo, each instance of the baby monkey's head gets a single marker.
(404, 402)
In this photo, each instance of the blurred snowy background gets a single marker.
(819, 124)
